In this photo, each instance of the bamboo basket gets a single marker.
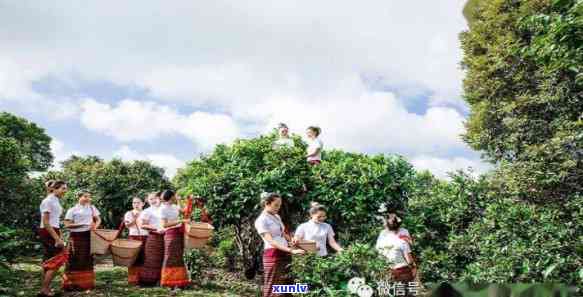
(197, 235)
(308, 246)
(101, 240)
(124, 252)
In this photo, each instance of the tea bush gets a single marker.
(329, 276)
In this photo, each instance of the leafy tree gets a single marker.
(32, 141)
(524, 85)
(233, 177)
(353, 186)
(112, 183)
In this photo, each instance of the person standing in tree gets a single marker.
(284, 139)
(315, 145)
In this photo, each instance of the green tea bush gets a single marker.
(329, 276)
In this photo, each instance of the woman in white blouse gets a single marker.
(284, 139)
(317, 230)
(276, 251)
(135, 233)
(49, 231)
(397, 251)
(174, 273)
(80, 220)
(315, 145)
(149, 220)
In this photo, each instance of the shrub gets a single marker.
(329, 276)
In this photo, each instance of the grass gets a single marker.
(112, 281)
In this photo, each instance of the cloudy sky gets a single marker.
(167, 81)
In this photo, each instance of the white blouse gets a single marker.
(134, 230)
(393, 248)
(318, 232)
(82, 214)
(312, 146)
(52, 205)
(272, 224)
(170, 212)
(152, 215)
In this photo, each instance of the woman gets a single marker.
(135, 233)
(150, 220)
(174, 274)
(49, 232)
(284, 139)
(276, 252)
(315, 145)
(315, 229)
(80, 220)
(397, 251)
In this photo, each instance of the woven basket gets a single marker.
(308, 245)
(197, 235)
(125, 251)
(101, 239)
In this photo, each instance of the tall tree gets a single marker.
(112, 183)
(524, 84)
(31, 139)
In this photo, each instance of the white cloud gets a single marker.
(168, 162)
(61, 153)
(441, 166)
(244, 66)
(137, 120)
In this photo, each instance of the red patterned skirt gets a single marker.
(134, 270)
(48, 243)
(174, 273)
(314, 162)
(79, 274)
(153, 257)
(402, 274)
(276, 267)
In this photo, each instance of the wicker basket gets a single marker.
(197, 235)
(101, 239)
(125, 251)
(308, 245)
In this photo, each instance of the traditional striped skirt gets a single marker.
(48, 243)
(276, 267)
(79, 274)
(174, 273)
(134, 270)
(153, 257)
(402, 274)
(314, 162)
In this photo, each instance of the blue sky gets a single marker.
(149, 80)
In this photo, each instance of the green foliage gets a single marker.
(233, 177)
(439, 210)
(518, 242)
(32, 141)
(24, 148)
(355, 185)
(329, 276)
(112, 183)
(524, 85)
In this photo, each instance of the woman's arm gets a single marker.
(171, 223)
(144, 223)
(46, 218)
(70, 225)
(267, 237)
(334, 244)
(96, 222)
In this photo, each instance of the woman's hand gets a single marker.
(294, 241)
(297, 252)
(59, 243)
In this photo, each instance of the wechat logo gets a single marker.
(359, 287)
